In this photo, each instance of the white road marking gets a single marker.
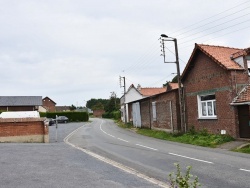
(147, 147)
(191, 158)
(242, 169)
(115, 164)
(104, 131)
(122, 140)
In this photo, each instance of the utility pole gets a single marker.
(113, 95)
(163, 39)
(124, 87)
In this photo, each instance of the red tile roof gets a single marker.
(243, 96)
(173, 85)
(152, 91)
(220, 54)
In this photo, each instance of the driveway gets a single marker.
(57, 164)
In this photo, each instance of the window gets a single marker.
(248, 66)
(154, 110)
(207, 106)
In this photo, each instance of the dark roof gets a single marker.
(20, 100)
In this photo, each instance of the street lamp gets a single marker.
(167, 38)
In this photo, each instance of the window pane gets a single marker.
(207, 97)
(214, 103)
(209, 108)
(204, 109)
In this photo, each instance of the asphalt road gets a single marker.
(156, 158)
(57, 164)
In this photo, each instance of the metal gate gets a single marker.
(136, 114)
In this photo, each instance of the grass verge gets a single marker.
(201, 138)
(245, 149)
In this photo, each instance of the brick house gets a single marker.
(49, 104)
(159, 111)
(98, 112)
(213, 80)
(20, 103)
(135, 93)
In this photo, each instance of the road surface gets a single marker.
(155, 158)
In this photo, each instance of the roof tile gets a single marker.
(243, 96)
(151, 91)
(222, 55)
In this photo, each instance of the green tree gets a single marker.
(93, 102)
(72, 107)
(174, 80)
(98, 106)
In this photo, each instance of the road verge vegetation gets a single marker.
(199, 138)
(245, 149)
(73, 116)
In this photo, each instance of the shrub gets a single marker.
(180, 180)
(115, 115)
(73, 116)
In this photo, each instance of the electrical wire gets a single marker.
(211, 16)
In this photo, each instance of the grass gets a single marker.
(245, 149)
(201, 138)
(123, 125)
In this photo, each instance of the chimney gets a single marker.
(139, 87)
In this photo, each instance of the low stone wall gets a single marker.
(24, 130)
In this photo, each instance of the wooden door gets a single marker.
(244, 124)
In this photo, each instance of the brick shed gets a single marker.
(98, 113)
(160, 111)
(23, 130)
(213, 77)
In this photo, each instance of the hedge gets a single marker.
(73, 116)
(115, 115)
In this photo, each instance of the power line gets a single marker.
(213, 32)
(219, 36)
(218, 25)
(211, 17)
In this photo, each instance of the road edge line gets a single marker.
(114, 163)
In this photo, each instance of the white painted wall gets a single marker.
(131, 95)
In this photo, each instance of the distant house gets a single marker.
(62, 108)
(159, 111)
(20, 103)
(217, 94)
(98, 113)
(134, 94)
(49, 104)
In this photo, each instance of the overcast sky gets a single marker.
(75, 50)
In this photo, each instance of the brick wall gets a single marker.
(18, 108)
(146, 113)
(167, 111)
(98, 113)
(205, 77)
(23, 130)
(49, 104)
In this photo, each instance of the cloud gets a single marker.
(75, 50)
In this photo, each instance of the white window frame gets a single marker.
(154, 110)
(204, 112)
